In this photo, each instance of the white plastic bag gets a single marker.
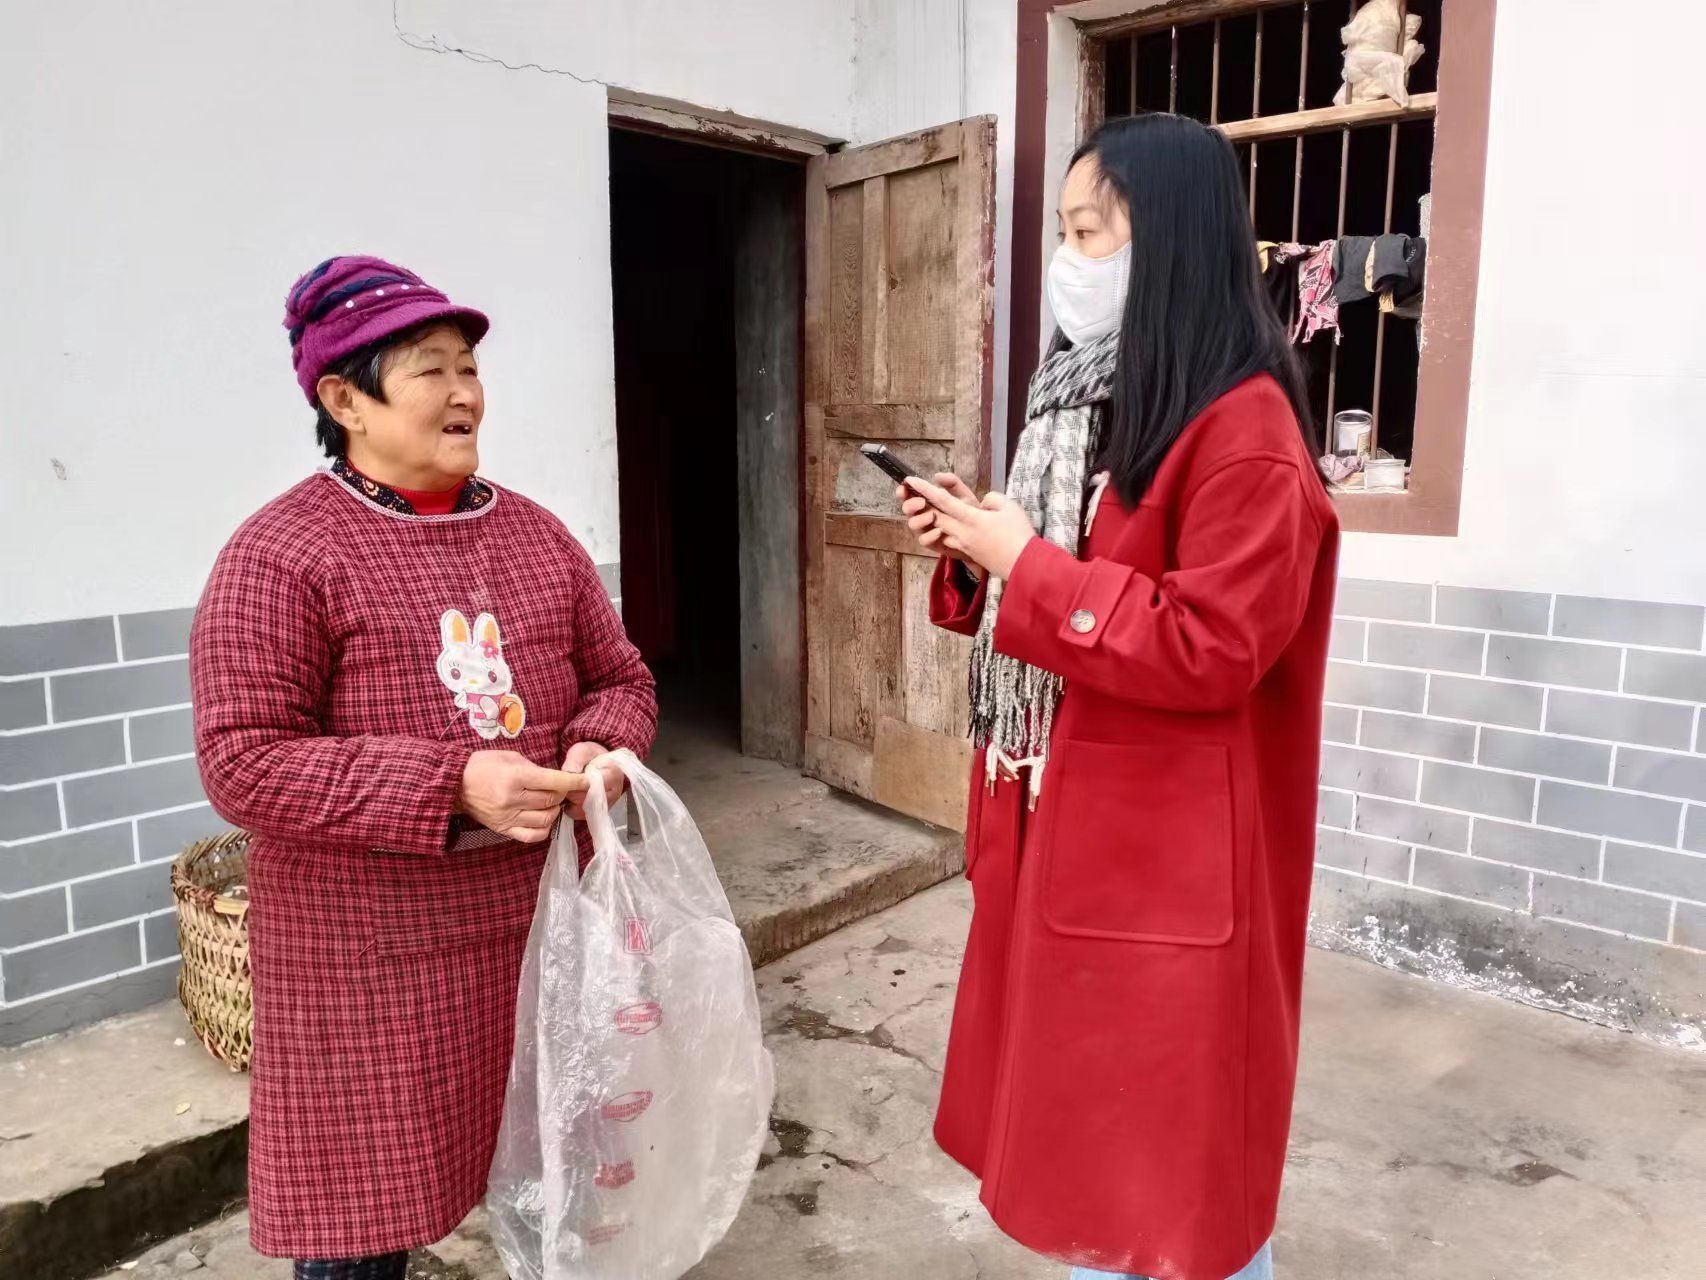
(639, 1095)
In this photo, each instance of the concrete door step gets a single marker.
(113, 1135)
(129, 1132)
(798, 858)
(804, 871)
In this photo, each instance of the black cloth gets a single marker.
(1399, 263)
(1280, 280)
(1350, 256)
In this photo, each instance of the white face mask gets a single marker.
(1087, 295)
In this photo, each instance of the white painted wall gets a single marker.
(170, 171)
(1586, 458)
(789, 62)
(166, 179)
(1586, 462)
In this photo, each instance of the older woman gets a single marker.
(389, 663)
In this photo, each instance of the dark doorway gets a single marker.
(706, 314)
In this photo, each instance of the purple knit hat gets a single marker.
(346, 303)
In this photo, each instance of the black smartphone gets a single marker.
(890, 462)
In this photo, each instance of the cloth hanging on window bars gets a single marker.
(1300, 280)
(1389, 266)
(1316, 307)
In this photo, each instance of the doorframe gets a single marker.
(648, 113)
(633, 112)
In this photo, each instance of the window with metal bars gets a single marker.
(1266, 72)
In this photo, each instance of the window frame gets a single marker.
(1431, 506)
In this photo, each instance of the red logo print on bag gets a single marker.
(629, 1107)
(638, 1019)
(639, 937)
(612, 1176)
(606, 1233)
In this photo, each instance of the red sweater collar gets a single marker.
(427, 503)
(471, 495)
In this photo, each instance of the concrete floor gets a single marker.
(1439, 1136)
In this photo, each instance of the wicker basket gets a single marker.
(209, 880)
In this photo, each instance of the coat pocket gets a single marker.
(469, 896)
(1140, 843)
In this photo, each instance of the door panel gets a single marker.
(919, 363)
(861, 489)
(864, 641)
(899, 311)
(933, 672)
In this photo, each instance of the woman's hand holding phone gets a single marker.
(921, 517)
(989, 535)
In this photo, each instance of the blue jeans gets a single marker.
(1261, 1268)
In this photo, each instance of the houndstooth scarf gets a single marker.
(1013, 702)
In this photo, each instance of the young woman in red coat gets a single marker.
(1150, 602)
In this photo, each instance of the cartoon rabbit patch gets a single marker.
(472, 667)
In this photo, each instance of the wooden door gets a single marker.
(899, 309)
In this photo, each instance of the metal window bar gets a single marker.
(1380, 321)
(1302, 103)
(1256, 111)
(1131, 85)
(1385, 226)
(1214, 81)
(1256, 89)
(1344, 172)
(1333, 358)
(1173, 74)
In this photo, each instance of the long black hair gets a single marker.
(1197, 321)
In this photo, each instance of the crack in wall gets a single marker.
(432, 44)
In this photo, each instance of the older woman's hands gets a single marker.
(949, 519)
(507, 793)
(615, 782)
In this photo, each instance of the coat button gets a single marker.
(1082, 621)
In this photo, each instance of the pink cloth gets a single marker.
(1316, 307)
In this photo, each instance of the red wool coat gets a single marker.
(345, 662)
(1124, 1042)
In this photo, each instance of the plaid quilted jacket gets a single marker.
(348, 656)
